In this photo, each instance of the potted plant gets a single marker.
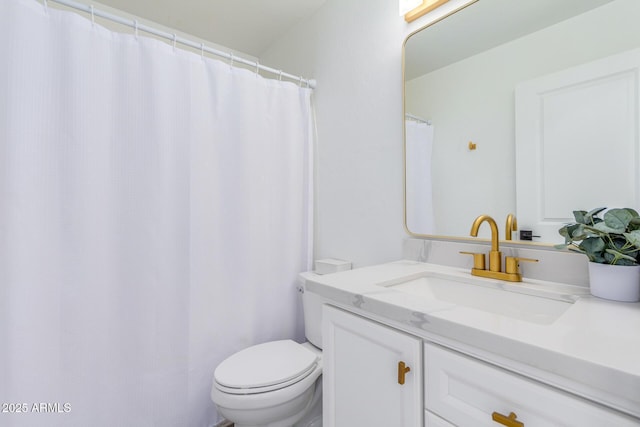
(612, 244)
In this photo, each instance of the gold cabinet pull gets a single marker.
(509, 421)
(402, 370)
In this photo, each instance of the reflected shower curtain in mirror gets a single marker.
(154, 214)
(419, 187)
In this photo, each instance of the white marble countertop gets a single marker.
(592, 349)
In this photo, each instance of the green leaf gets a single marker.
(580, 216)
(633, 238)
(617, 219)
(592, 216)
(593, 247)
(576, 232)
(563, 231)
(596, 211)
(634, 224)
(604, 228)
(619, 258)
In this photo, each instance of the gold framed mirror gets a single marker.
(462, 86)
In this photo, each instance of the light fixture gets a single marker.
(423, 8)
(408, 5)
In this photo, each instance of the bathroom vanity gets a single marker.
(412, 344)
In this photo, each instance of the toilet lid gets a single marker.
(266, 365)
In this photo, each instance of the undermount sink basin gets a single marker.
(517, 301)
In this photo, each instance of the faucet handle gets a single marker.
(511, 263)
(478, 260)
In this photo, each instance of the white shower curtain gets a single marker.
(419, 186)
(154, 214)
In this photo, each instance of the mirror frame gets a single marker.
(462, 239)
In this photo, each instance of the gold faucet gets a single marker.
(511, 273)
(495, 257)
(512, 225)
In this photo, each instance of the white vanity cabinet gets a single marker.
(364, 363)
(468, 392)
(469, 357)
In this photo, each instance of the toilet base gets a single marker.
(311, 416)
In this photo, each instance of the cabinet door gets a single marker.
(361, 361)
(469, 393)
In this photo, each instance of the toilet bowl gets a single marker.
(278, 383)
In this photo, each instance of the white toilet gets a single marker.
(278, 383)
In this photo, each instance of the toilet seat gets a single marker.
(265, 367)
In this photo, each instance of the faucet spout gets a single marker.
(495, 257)
(494, 230)
(512, 225)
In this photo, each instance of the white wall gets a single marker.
(353, 49)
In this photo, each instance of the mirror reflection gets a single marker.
(527, 108)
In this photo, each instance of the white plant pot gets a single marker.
(615, 282)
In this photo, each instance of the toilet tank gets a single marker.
(312, 309)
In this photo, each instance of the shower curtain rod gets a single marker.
(310, 83)
(418, 119)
